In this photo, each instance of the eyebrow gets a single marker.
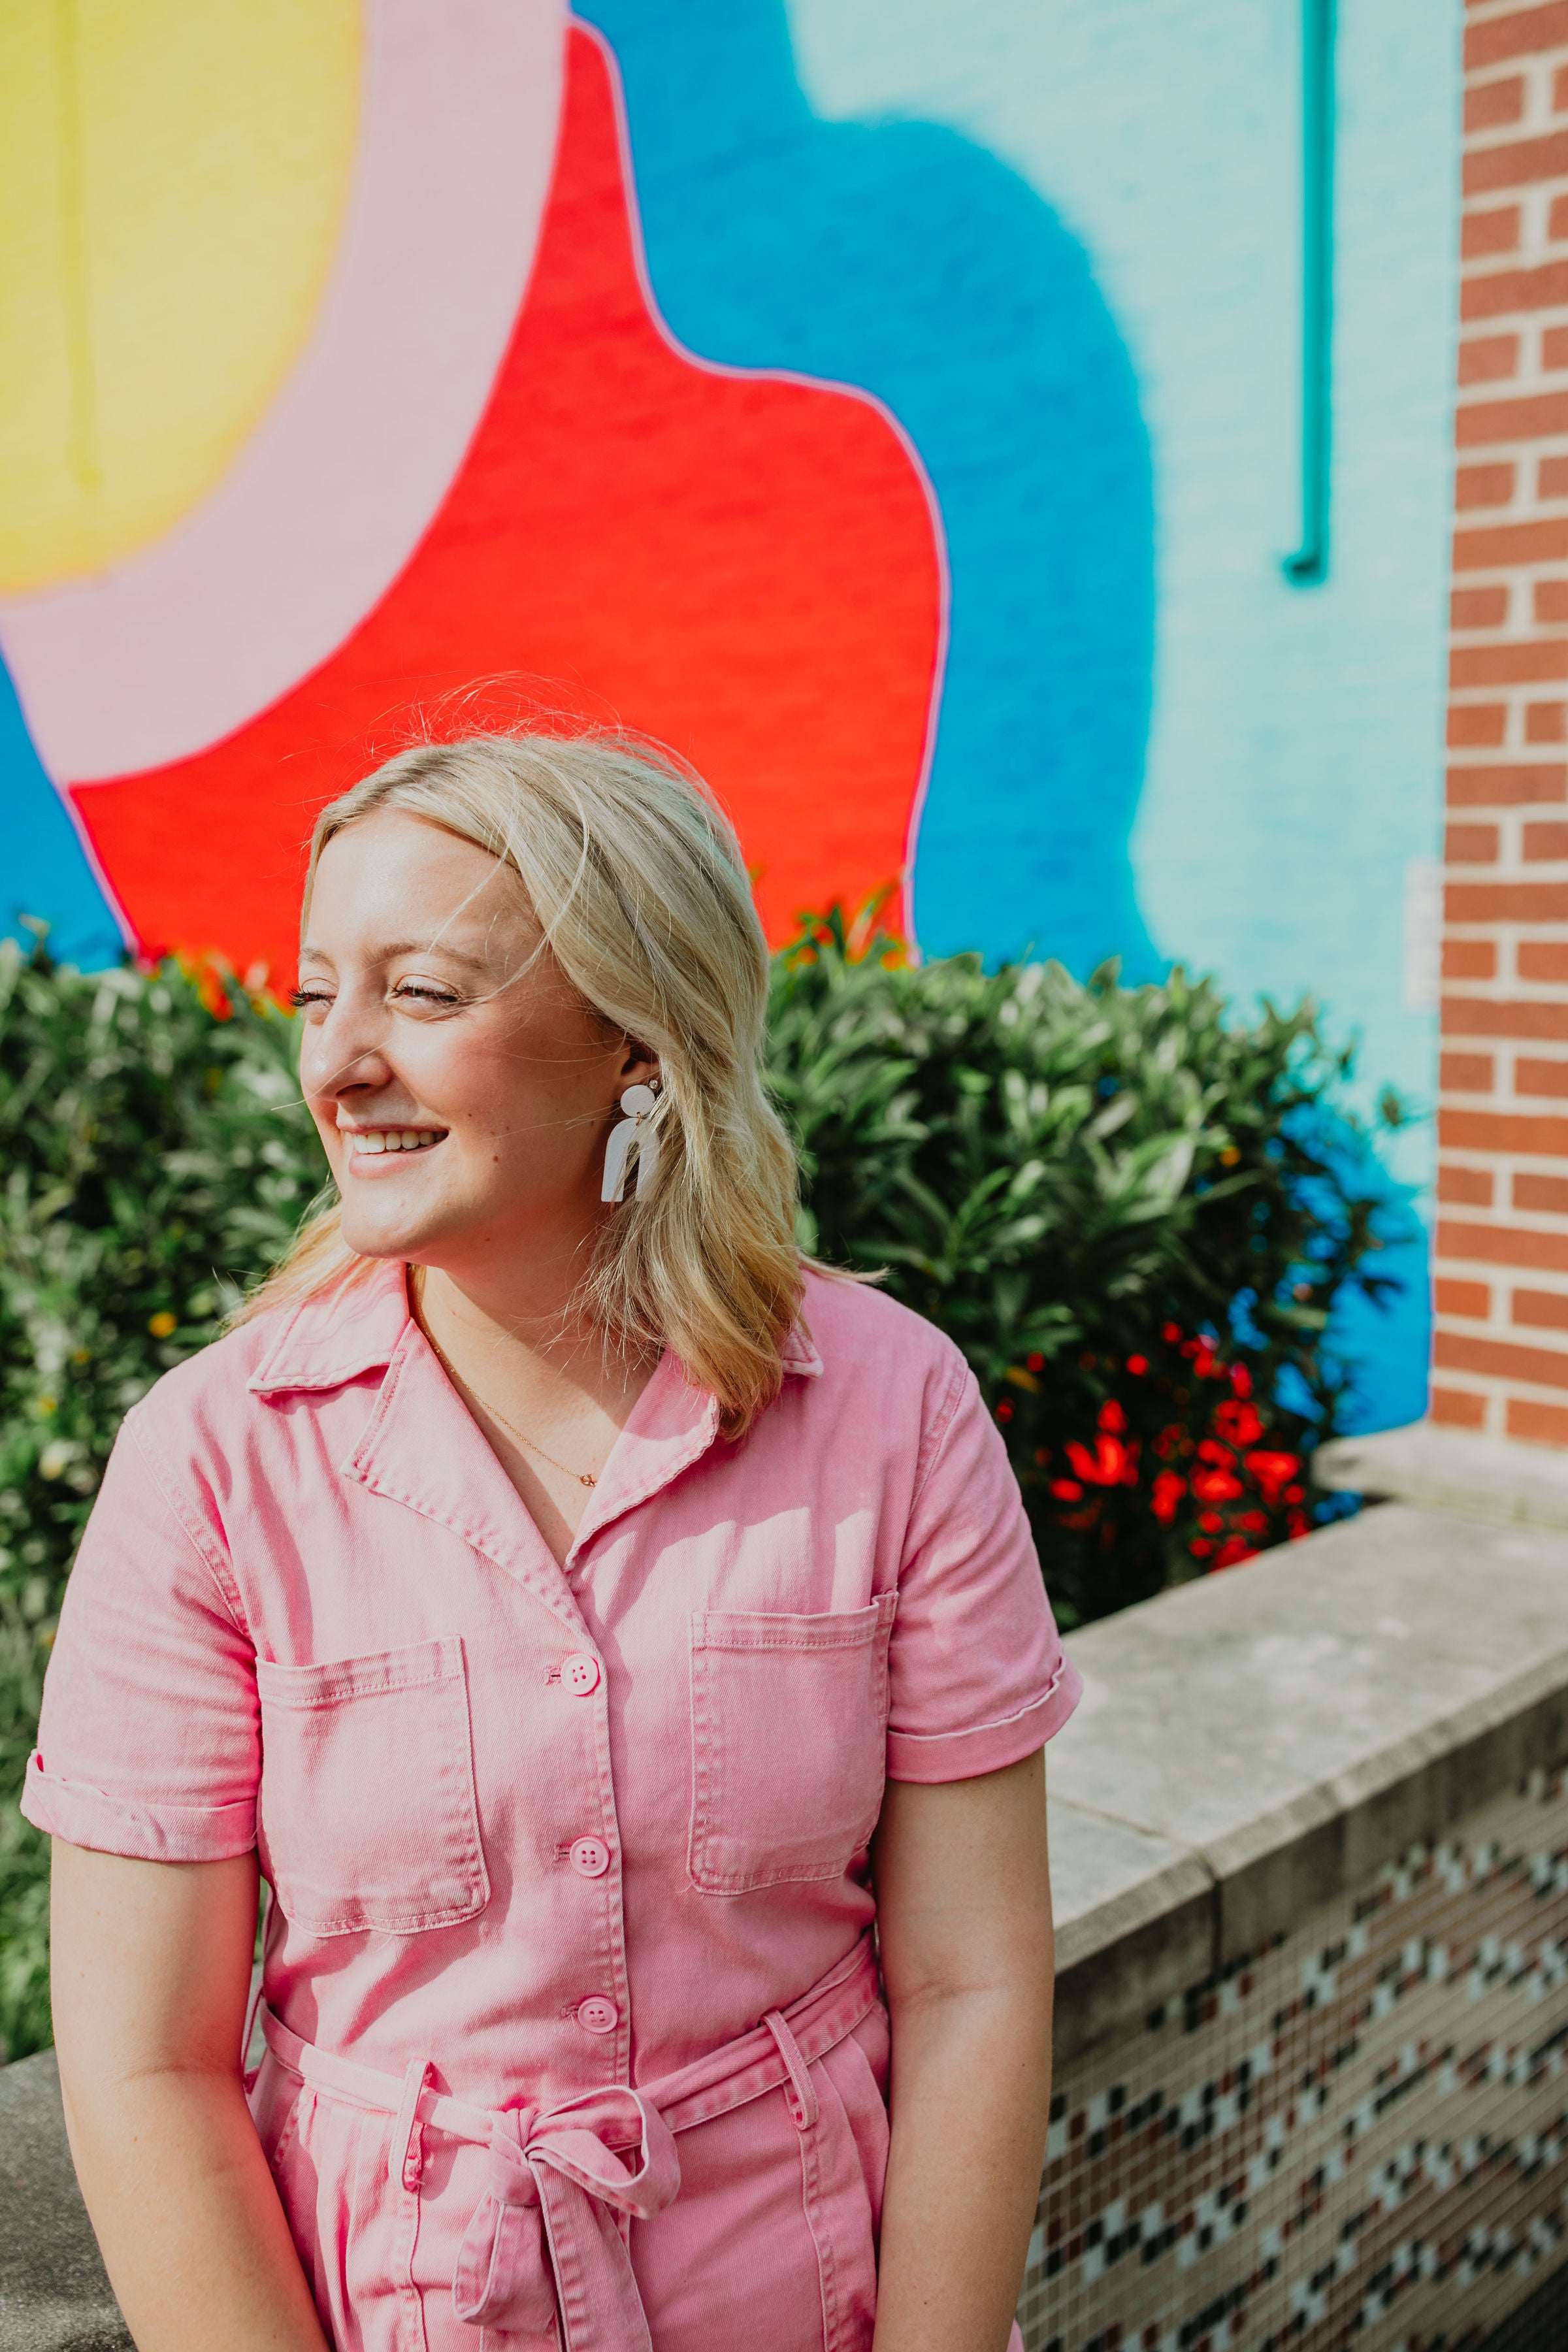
(393, 947)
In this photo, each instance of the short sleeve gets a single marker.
(978, 1678)
(149, 1743)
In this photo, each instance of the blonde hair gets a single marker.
(637, 881)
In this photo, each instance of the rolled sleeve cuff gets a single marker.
(986, 1746)
(86, 1816)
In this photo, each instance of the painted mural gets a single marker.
(891, 403)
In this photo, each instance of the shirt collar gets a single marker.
(355, 1327)
(338, 1335)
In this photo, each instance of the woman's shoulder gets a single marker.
(859, 1333)
(210, 1391)
(219, 1392)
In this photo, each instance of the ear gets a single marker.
(640, 1066)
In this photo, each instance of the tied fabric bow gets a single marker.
(543, 2237)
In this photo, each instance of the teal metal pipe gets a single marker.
(1308, 566)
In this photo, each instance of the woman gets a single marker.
(590, 1619)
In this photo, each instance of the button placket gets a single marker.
(604, 2015)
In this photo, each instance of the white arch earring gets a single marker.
(638, 1103)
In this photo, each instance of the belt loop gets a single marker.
(803, 2106)
(399, 2165)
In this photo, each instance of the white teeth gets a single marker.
(393, 1139)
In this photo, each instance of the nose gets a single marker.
(343, 1054)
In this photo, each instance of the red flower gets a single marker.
(1005, 1410)
(1239, 1424)
(1035, 1363)
(1254, 1522)
(1171, 1331)
(1295, 1493)
(1110, 1464)
(1211, 1522)
(1138, 1363)
(1234, 1549)
(1217, 1485)
(1200, 1548)
(1168, 1491)
(1298, 1524)
(1067, 1490)
(1241, 1379)
(1274, 1471)
(1111, 1415)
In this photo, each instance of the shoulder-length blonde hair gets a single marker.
(637, 881)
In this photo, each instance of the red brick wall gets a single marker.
(1500, 1350)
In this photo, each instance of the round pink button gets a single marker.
(580, 1673)
(590, 1855)
(596, 2015)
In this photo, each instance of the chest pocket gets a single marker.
(789, 1729)
(368, 1817)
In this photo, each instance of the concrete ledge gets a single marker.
(1251, 1744)
(54, 2296)
(1451, 1470)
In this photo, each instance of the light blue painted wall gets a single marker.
(1290, 811)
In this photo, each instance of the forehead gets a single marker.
(390, 881)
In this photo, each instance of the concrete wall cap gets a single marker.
(1252, 1743)
(1442, 1469)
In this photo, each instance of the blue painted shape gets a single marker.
(901, 257)
(1380, 1347)
(1386, 1347)
(44, 870)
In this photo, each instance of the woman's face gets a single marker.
(461, 1085)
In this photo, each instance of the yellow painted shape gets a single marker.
(173, 180)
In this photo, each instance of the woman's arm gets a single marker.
(150, 1973)
(963, 1910)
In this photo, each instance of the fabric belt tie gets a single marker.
(547, 2245)
(553, 2176)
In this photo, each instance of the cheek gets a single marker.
(476, 1092)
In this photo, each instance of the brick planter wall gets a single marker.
(1356, 2134)
(1500, 1350)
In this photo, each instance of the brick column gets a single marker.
(1500, 1350)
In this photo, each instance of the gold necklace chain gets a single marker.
(583, 1477)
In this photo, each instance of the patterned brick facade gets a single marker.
(1501, 1348)
(1357, 2137)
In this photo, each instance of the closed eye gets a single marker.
(425, 995)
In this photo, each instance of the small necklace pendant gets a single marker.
(585, 1480)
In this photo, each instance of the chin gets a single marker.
(383, 1237)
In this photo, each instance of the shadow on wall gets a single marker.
(899, 257)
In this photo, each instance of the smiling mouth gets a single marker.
(369, 1142)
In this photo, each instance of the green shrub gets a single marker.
(1080, 1183)
(153, 1156)
(1132, 1211)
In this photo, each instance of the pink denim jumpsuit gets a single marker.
(573, 2030)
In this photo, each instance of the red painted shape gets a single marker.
(744, 566)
